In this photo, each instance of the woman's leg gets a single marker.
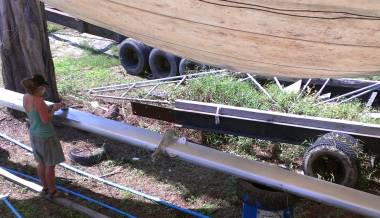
(41, 174)
(50, 178)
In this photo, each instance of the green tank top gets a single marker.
(37, 127)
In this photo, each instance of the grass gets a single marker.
(28, 208)
(52, 27)
(228, 90)
(90, 70)
(208, 208)
(114, 50)
(127, 195)
(290, 152)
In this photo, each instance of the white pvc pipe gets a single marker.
(272, 176)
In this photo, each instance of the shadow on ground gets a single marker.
(40, 207)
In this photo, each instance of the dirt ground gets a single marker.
(173, 180)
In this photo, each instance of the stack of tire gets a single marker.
(137, 58)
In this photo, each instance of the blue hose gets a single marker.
(74, 193)
(149, 197)
(10, 206)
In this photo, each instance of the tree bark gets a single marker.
(24, 45)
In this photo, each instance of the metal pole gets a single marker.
(322, 191)
(128, 90)
(107, 182)
(278, 83)
(355, 96)
(132, 99)
(4, 198)
(371, 99)
(135, 85)
(260, 87)
(322, 88)
(151, 90)
(304, 88)
(351, 93)
(180, 82)
(65, 190)
(158, 80)
(242, 80)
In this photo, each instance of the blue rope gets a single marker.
(74, 193)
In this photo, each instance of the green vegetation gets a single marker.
(127, 195)
(228, 90)
(90, 70)
(114, 50)
(52, 27)
(30, 208)
(208, 208)
(86, 45)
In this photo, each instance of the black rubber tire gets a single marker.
(341, 150)
(134, 56)
(267, 198)
(186, 63)
(87, 160)
(163, 64)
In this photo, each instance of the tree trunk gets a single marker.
(24, 45)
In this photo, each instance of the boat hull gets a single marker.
(294, 38)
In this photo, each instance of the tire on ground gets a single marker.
(185, 64)
(267, 198)
(134, 56)
(333, 157)
(163, 64)
(95, 157)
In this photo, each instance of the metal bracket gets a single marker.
(168, 139)
(217, 121)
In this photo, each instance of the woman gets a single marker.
(47, 150)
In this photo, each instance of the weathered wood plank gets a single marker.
(340, 40)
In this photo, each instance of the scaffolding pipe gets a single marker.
(131, 99)
(71, 192)
(304, 88)
(355, 96)
(370, 87)
(157, 80)
(322, 88)
(4, 198)
(115, 185)
(322, 191)
(278, 83)
(257, 84)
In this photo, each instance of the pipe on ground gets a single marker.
(10, 206)
(66, 190)
(107, 182)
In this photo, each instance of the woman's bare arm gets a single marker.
(43, 110)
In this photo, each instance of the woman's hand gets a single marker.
(57, 106)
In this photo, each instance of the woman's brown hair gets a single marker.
(29, 85)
